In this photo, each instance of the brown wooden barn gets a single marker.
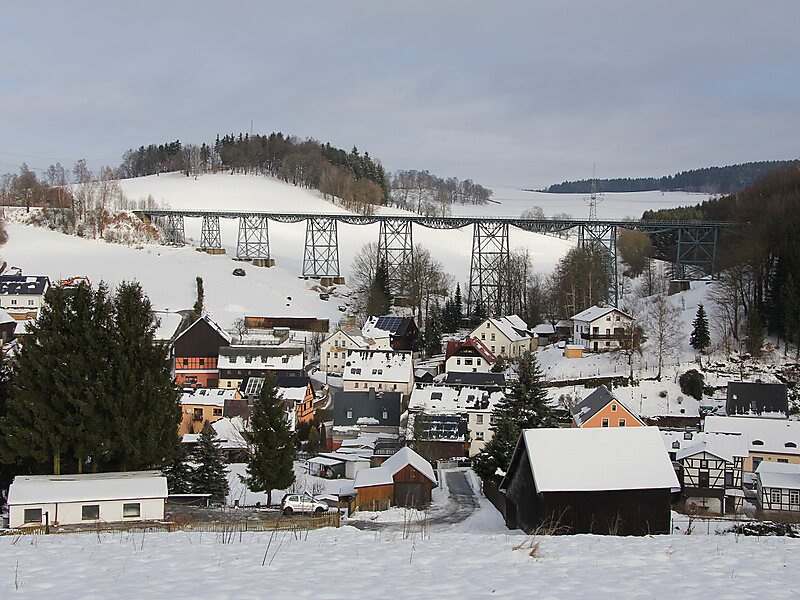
(404, 479)
(196, 353)
(600, 480)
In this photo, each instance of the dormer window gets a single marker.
(790, 445)
(758, 442)
(676, 445)
(613, 408)
(687, 435)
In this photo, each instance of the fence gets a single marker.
(330, 519)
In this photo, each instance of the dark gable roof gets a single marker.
(480, 380)
(394, 325)
(22, 285)
(369, 404)
(438, 427)
(753, 398)
(592, 404)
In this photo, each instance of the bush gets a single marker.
(692, 384)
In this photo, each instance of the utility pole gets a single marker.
(594, 198)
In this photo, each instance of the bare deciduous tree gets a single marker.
(663, 325)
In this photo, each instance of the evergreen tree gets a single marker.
(312, 445)
(271, 463)
(209, 476)
(178, 473)
(323, 437)
(458, 307)
(525, 407)
(380, 297)
(433, 331)
(700, 338)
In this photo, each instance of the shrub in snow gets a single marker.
(691, 384)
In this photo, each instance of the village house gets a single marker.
(334, 349)
(490, 381)
(237, 363)
(711, 469)
(469, 411)
(507, 336)
(769, 440)
(598, 480)
(756, 399)
(600, 328)
(230, 439)
(382, 370)
(778, 486)
(133, 496)
(404, 479)
(23, 293)
(398, 333)
(201, 406)
(602, 409)
(195, 353)
(468, 356)
(364, 411)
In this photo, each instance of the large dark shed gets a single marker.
(755, 399)
(602, 480)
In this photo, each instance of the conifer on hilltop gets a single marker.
(700, 338)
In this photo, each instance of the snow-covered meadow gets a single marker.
(478, 558)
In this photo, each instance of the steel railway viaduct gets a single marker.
(696, 242)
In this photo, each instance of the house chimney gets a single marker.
(351, 322)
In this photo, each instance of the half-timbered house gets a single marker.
(711, 472)
(778, 487)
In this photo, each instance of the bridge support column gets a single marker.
(253, 242)
(603, 237)
(209, 235)
(174, 234)
(697, 252)
(396, 249)
(488, 273)
(321, 258)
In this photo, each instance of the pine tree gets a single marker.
(524, 408)
(433, 331)
(700, 338)
(178, 474)
(209, 476)
(323, 437)
(312, 445)
(458, 307)
(380, 298)
(271, 464)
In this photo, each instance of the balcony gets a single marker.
(618, 336)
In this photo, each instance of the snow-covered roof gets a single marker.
(295, 394)
(93, 487)
(434, 399)
(168, 323)
(359, 341)
(384, 474)
(544, 329)
(724, 445)
(596, 312)
(261, 358)
(386, 325)
(764, 435)
(5, 317)
(229, 434)
(454, 346)
(779, 475)
(378, 365)
(511, 326)
(22, 285)
(596, 459)
(324, 461)
(208, 396)
(212, 324)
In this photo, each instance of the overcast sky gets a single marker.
(506, 93)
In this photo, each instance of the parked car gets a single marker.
(302, 503)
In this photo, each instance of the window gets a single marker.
(622, 422)
(794, 497)
(349, 413)
(613, 408)
(775, 496)
(605, 423)
(197, 414)
(595, 330)
(30, 302)
(483, 336)
(687, 435)
(202, 362)
(385, 414)
(394, 387)
(185, 362)
(479, 419)
(14, 301)
(479, 435)
(458, 361)
(492, 347)
(676, 445)
(756, 461)
(217, 412)
(477, 361)
(728, 478)
(502, 349)
(355, 385)
(132, 509)
(703, 464)
(783, 460)
(32, 515)
(90, 512)
(468, 361)
(492, 337)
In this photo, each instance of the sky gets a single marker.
(509, 94)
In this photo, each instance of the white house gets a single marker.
(778, 487)
(475, 404)
(382, 370)
(600, 328)
(20, 292)
(468, 356)
(333, 351)
(769, 440)
(90, 498)
(509, 336)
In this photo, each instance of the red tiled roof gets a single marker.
(455, 346)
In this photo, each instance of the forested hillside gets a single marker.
(710, 180)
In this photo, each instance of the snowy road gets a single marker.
(461, 503)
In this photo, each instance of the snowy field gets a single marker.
(476, 559)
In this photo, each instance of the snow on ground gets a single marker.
(475, 559)
(510, 202)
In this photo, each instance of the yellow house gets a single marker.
(201, 406)
(769, 440)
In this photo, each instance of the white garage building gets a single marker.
(92, 498)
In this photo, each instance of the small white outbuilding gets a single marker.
(91, 498)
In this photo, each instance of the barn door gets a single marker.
(408, 494)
